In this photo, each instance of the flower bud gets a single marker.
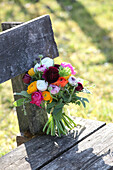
(26, 78)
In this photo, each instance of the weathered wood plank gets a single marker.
(93, 153)
(21, 45)
(42, 149)
(36, 117)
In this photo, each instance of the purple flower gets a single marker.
(70, 66)
(72, 80)
(41, 68)
(54, 89)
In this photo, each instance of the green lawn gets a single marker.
(83, 31)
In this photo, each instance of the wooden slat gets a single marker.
(43, 149)
(93, 153)
(21, 45)
(36, 117)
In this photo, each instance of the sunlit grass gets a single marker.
(84, 34)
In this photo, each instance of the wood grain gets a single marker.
(21, 45)
(93, 153)
(33, 36)
(41, 150)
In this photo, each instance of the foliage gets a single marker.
(84, 35)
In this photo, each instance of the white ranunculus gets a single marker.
(72, 80)
(42, 85)
(36, 66)
(47, 62)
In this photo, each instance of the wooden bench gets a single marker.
(89, 146)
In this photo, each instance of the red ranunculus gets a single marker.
(51, 74)
(26, 78)
(61, 82)
(36, 98)
(79, 87)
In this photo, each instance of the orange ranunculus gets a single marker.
(32, 87)
(67, 77)
(46, 96)
(61, 82)
(31, 72)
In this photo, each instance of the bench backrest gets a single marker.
(19, 48)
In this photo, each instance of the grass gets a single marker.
(84, 34)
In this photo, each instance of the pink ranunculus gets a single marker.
(79, 87)
(36, 98)
(41, 68)
(26, 78)
(54, 89)
(70, 66)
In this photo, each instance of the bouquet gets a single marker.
(51, 86)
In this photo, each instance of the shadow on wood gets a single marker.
(84, 148)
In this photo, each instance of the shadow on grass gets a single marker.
(99, 36)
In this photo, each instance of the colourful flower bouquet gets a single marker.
(51, 86)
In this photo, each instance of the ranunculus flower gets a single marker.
(36, 66)
(61, 82)
(41, 68)
(70, 66)
(46, 96)
(51, 74)
(72, 80)
(36, 98)
(42, 85)
(79, 87)
(47, 62)
(32, 87)
(54, 89)
(26, 78)
(31, 72)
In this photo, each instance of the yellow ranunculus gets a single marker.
(46, 96)
(31, 72)
(32, 87)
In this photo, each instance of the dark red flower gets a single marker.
(79, 87)
(57, 66)
(26, 78)
(51, 74)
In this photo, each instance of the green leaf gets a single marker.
(63, 126)
(52, 127)
(83, 100)
(48, 129)
(60, 127)
(59, 132)
(23, 93)
(50, 105)
(59, 106)
(71, 121)
(46, 125)
(57, 114)
(67, 123)
(20, 102)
